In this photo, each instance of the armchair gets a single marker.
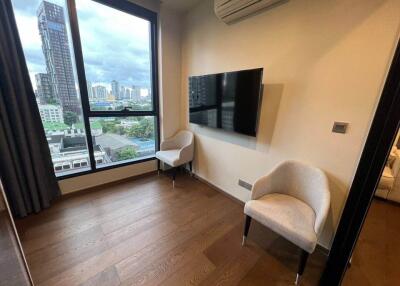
(293, 201)
(177, 151)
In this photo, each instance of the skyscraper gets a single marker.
(99, 92)
(44, 89)
(127, 93)
(115, 89)
(89, 89)
(122, 92)
(135, 93)
(55, 47)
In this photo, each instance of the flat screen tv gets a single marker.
(229, 101)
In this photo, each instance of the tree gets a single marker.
(126, 153)
(144, 129)
(70, 118)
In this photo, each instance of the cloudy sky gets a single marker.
(115, 45)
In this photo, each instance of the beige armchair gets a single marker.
(177, 151)
(293, 201)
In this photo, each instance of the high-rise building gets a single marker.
(127, 93)
(99, 92)
(44, 89)
(122, 92)
(56, 50)
(135, 93)
(89, 89)
(115, 89)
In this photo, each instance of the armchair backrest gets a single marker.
(183, 138)
(304, 182)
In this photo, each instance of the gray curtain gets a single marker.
(25, 163)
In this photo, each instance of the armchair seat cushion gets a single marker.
(171, 157)
(387, 179)
(289, 217)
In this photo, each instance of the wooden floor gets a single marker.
(143, 232)
(12, 268)
(376, 256)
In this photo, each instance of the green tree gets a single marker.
(144, 129)
(126, 153)
(70, 118)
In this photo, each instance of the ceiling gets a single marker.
(180, 5)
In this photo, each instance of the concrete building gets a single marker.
(115, 89)
(99, 92)
(51, 113)
(89, 89)
(44, 88)
(56, 50)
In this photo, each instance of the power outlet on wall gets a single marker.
(245, 185)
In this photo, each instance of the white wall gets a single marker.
(169, 93)
(323, 61)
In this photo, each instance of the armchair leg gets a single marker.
(303, 261)
(246, 229)
(158, 167)
(191, 168)
(173, 177)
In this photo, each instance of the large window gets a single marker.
(92, 65)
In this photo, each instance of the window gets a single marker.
(94, 78)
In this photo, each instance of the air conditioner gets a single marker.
(231, 10)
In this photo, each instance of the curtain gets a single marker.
(25, 162)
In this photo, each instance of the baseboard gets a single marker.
(322, 249)
(211, 185)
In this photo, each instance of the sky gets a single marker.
(115, 44)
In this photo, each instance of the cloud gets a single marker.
(115, 44)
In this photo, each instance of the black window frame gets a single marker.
(138, 11)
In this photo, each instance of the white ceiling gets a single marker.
(179, 5)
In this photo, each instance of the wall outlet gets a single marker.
(340, 127)
(245, 185)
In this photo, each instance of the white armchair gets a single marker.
(177, 151)
(293, 201)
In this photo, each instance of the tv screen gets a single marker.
(226, 100)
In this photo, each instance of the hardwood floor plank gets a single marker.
(191, 274)
(61, 256)
(234, 269)
(164, 265)
(107, 277)
(129, 266)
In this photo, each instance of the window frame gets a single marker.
(138, 11)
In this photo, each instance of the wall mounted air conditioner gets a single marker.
(231, 10)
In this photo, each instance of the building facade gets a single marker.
(56, 50)
(44, 89)
(51, 113)
(99, 92)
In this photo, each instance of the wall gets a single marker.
(99, 178)
(323, 61)
(170, 71)
(169, 87)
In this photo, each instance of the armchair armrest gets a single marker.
(186, 153)
(168, 144)
(262, 187)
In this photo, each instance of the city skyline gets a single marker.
(128, 63)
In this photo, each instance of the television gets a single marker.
(228, 101)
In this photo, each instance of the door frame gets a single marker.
(380, 139)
